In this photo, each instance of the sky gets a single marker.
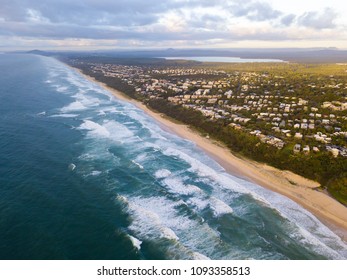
(145, 24)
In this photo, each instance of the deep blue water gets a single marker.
(86, 176)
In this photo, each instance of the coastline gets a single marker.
(299, 189)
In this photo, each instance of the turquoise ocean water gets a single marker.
(86, 176)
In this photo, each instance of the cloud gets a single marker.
(158, 33)
(141, 22)
(86, 12)
(124, 12)
(288, 19)
(318, 20)
(206, 21)
(254, 10)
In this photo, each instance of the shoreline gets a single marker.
(297, 188)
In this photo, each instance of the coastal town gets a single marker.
(306, 114)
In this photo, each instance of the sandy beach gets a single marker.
(299, 189)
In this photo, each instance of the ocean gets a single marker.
(84, 175)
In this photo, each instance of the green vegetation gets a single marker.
(337, 188)
(143, 61)
(287, 69)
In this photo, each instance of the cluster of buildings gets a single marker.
(184, 71)
(270, 107)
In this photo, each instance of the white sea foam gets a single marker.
(158, 217)
(95, 173)
(310, 240)
(95, 128)
(136, 242)
(162, 173)
(309, 230)
(136, 163)
(198, 256)
(42, 113)
(148, 123)
(219, 207)
(123, 200)
(87, 86)
(61, 89)
(112, 109)
(273, 200)
(64, 116)
(154, 132)
(72, 166)
(147, 224)
(198, 203)
(74, 106)
(175, 185)
(88, 101)
(217, 178)
(200, 199)
(118, 131)
(97, 153)
(77, 80)
(168, 233)
(141, 157)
